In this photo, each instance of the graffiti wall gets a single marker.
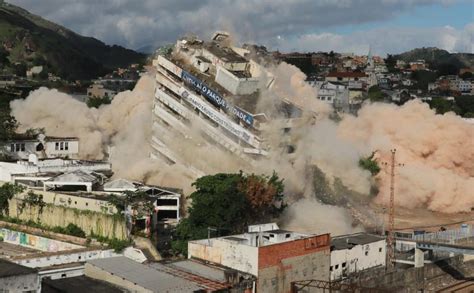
(35, 242)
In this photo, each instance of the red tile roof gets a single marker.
(345, 74)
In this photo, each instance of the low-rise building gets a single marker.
(42, 146)
(356, 252)
(275, 257)
(35, 70)
(98, 90)
(136, 277)
(347, 76)
(17, 278)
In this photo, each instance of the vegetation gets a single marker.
(422, 78)
(31, 200)
(34, 41)
(70, 229)
(462, 105)
(369, 164)
(7, 192)
(375, 94)
(97, 102)
(228, 203)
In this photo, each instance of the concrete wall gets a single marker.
(99, 274)
(358, 258)
(35, 242)
(304, 259)
(64, 258)
(235, 85)
(75, 201)
(100, 224)
(227, 253)
(23, 283)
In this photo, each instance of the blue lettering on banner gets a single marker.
(214, 97)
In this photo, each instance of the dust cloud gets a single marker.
(437, 150)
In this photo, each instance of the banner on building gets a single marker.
(214, 97)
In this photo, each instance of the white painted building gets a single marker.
(356, 252)
(39, 170)
(42, 146)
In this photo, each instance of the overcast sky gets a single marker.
(387, 26)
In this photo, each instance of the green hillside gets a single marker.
(441, 60)
(31, 40)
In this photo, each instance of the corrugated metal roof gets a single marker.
(74, 176)
(206, 271)
(144, 276)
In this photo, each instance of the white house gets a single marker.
(356, 252)
(42, 146)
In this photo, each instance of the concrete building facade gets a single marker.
(275, 257)
(42, 147)
(356, 252)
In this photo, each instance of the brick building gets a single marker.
(275, 257)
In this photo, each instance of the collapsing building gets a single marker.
(215, 88)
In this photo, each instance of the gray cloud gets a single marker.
(137, 23)
(386, 40)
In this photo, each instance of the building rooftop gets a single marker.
(144, 276)
(9, 269)
(349, 241)
(226, 54)
(78, 285)
(8, 250)
(74, 176)
(343, 74)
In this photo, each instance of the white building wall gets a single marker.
(235, 85)
(358, 258)
(52, 148)
(60, 259)
(227, 253)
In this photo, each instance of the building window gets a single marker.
(22, 147)
(330, 268)
(66, 146)
(87, 203)
(366, 253)
(61, 146)
(12, 147)
(57, 146)
(17, 147)
(337, 266)
(343, 265)
(380, 249)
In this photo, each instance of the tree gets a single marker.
(8, 125)
(7, 192)
(422, 78)
(375, 94)
(228, 203)
(369, 164)
(466, 75)
(465, 103)
(441, 105)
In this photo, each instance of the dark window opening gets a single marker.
(167, 202)
(343, 264)
(161, 215)
(39, 147)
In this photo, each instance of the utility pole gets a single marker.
(391, 215)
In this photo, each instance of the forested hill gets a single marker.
(27, 39)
